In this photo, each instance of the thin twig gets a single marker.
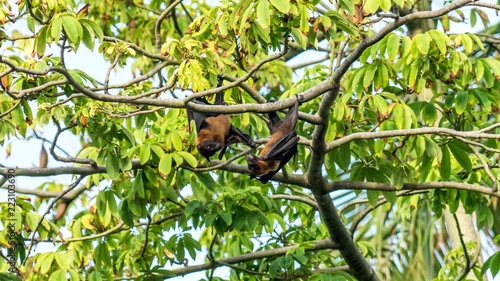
(146, 240)
(160, 20)
(486, 168)
(309, 202)
(108, 73)
(67, 159)
(8, 111)
(464, 247)
(10, 263)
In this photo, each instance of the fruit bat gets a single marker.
(280, 148)
(215, 131)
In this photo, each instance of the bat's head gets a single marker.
(208, 148)
(256, 166)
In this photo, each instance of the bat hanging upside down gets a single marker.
(215, 131)
(280, 148)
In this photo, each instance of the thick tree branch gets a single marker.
(317, 245)
(358, 185)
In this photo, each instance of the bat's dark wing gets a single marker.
(199, 117)
(282, 150)
(274, 122)
(236, 135)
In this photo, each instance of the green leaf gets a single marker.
(58, 275)
(422, 41)
(473, 17)
(264, 13)
(494, 66)
(56, 28)
(445, 165)
(158, 150)
(393, 46)
(385, 5)
(493, 264)
(467, 42)
(440, 39)
(479, 70)
(461, 100)
(126, 214)
(73, 275)
(138, 185)
(144, 153)
(429, 113)
(398, 115)
(32, 220)
(73, 28)
(61, 260)
(177, 140)
(226, 216)
(113, 166)
(380, 103)
(342, 156)
(41, 41)
(372, 196)
(9, 277)
(165, 165)
(190, 159)
(97, 29)
(390, 196)
(111, 202)
(281, 5)
(459, 152)
(88, 36)
(371, 6)
(369, 74)
(47, 263)
(27, 109)
(206, 180)
(300, 38)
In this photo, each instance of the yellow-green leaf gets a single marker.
(422, 42)
(73, 28)
(165, 165)
(144, 153)
(264, 13)
(393, 46)
(190, 159)
(281, 5)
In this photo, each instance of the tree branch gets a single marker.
(295, 198)
(411, 132)
(317, 245)
(358, 185)
(160, 20)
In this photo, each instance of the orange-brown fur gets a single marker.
(267, 166)
(272, 165)
(216, 129)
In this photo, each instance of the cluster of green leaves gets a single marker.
(22, 223)
(410, 79)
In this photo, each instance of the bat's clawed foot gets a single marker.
(300, 98)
